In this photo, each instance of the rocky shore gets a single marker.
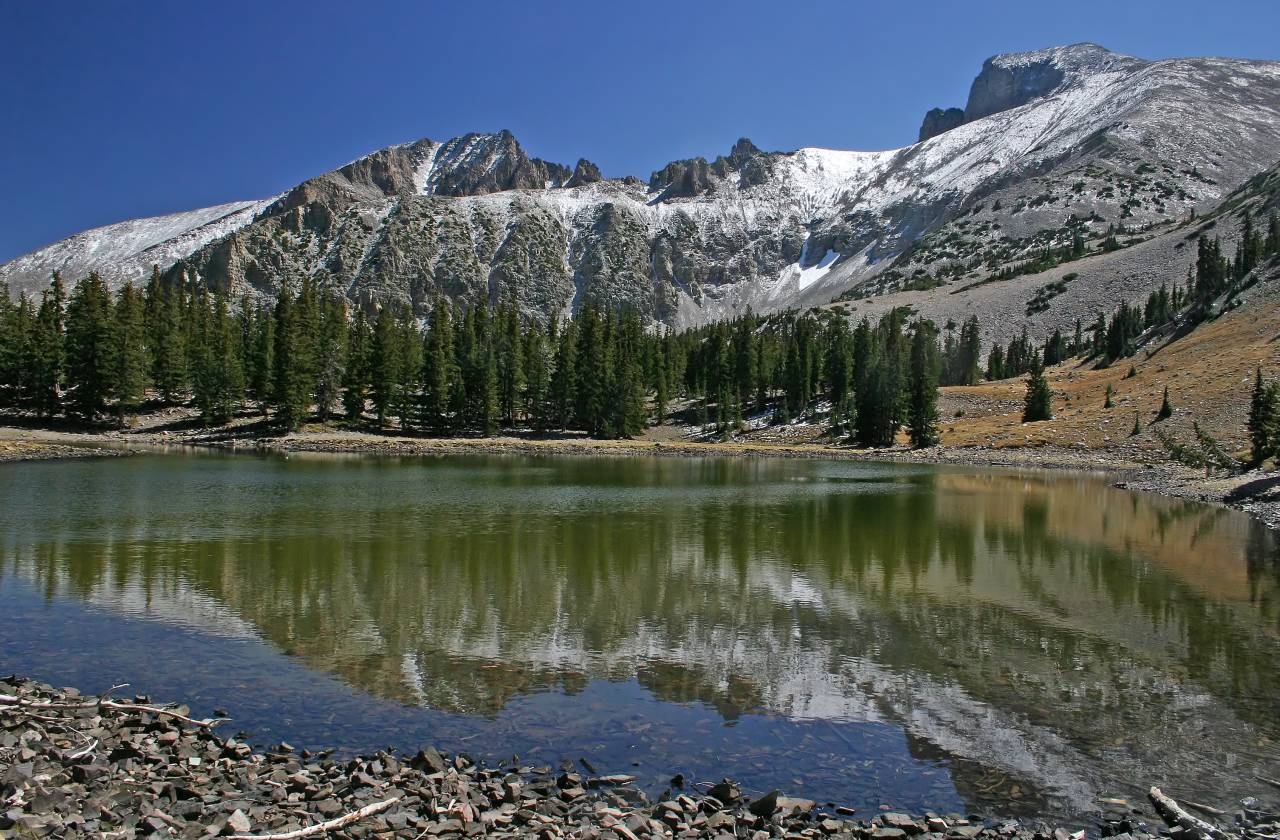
(76, 766)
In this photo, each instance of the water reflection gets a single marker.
(1046, 638)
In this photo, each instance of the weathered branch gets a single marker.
(1171, 810)
(100, 703)
(327, 826)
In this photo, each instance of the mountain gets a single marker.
(1051, 146)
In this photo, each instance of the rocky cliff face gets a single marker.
(1065, 140)
(938, 120)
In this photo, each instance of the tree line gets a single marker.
(475, 369)
(468, 369)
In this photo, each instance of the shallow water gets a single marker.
(919, 637)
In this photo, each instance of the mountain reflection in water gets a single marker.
(1047, 640)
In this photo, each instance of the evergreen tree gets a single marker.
(1166, 410)
(20, 361)
(331, 355)
(1264, 419)
(439, 368)
(922, 386)
(995, 363)
(1039, 401)
(130, 354)
(593, 365)
(217, 378)
(406, 399)
(1108, 402)
(47, 357)
(384, 364)
(662, 378)
(14, 334)
(510, 361)
(166, 336)
(291, 366)
(564, 377)
(627, 391)
(261, 369)
(355, 376)
(91, 345)
(537, 379)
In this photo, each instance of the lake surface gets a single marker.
(911, 636)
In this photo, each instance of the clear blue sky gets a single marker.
(119, 109)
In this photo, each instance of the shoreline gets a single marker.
(1254, 492)
(84, 765)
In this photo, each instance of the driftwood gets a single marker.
(326, 826)
(1172, 811)
(103, 703)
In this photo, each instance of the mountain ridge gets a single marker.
(476, 215)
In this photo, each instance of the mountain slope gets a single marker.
(126, 250)
(1051, 144)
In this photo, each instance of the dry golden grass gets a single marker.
(1209, 374)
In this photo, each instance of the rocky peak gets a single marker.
(1014, 79)
(374, 177)
(478, 164)
(693, 177)
(585, 172)
(743, 150)
(1010, 80)
(937, 121)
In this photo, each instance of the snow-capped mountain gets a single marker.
(1051, 143)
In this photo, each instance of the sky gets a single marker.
(115, 110)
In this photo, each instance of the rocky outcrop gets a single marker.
(682, 179)
(584, 173)
(479, 164)
(938, 121)
(374, 177)
(998, 88)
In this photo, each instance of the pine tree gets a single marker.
(91, 345)
(21, 361)
(261, 378)
(166, 336)
(217, 378)
(409, 385)
(331, 355)
(47, 360)
(564, 378)
(439, 368)
(1039, 401)
(355, 376)
(1264, 419)
(1108, 402)
(593, 365)
(510, 361)
(662, 378)
(627, 397)
(537, 379)
(384, 364)
(13, 338)
(1166, 410)
(130, 353)
(292, 386)
(922, 386)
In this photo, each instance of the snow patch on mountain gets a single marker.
(126, 251)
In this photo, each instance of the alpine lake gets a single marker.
(866, 634)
